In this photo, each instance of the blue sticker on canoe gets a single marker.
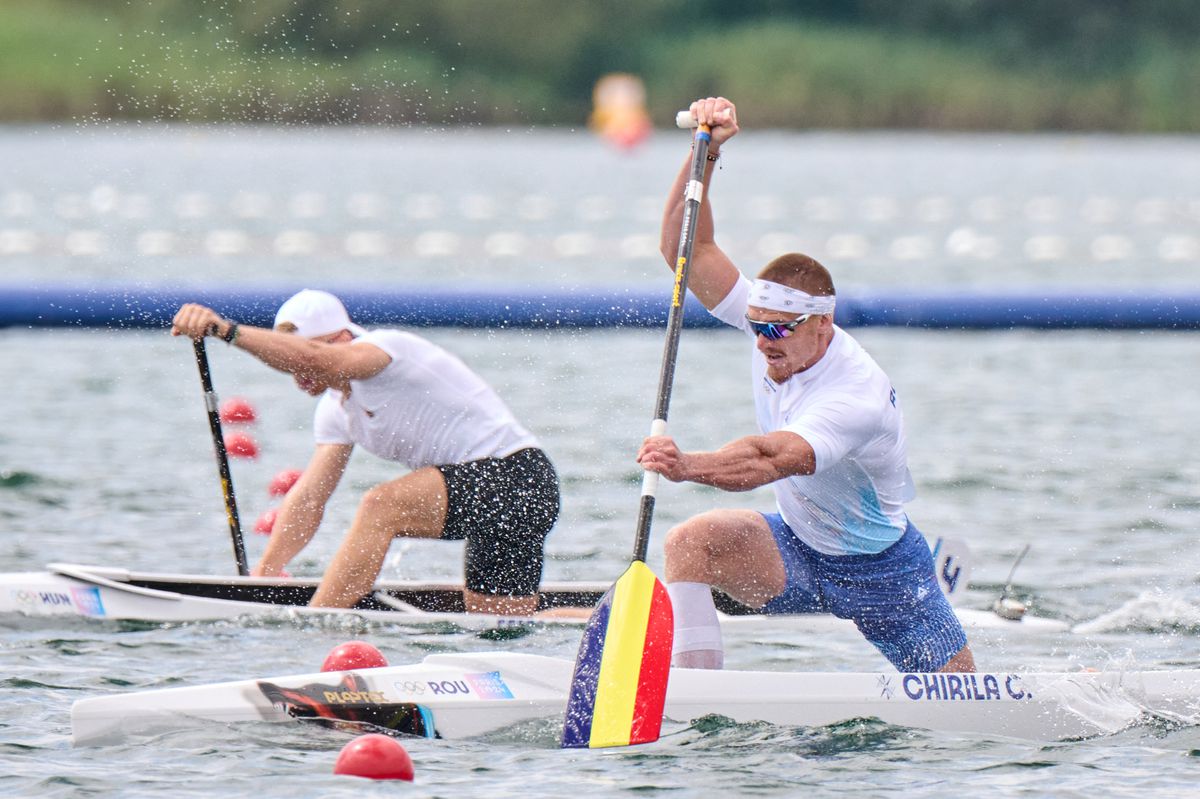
(489, 685)
(87, 601)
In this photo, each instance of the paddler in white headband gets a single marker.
(831, 446)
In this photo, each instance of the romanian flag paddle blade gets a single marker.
(620, 682)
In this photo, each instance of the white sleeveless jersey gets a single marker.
(425, 408)
(844, 406)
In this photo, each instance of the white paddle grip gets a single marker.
(650, 479)
(649, 483)
(684, 119)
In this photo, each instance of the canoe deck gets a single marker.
(66, 589)
(467, 695)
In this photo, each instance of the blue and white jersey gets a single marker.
(844, 406)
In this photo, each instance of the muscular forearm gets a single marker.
(746, 463)
(286, 352)
(711, 273)
(283, 351)
(673, 214)
(295, 526)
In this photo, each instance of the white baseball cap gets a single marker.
(316, 313)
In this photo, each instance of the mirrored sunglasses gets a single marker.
(775, 330)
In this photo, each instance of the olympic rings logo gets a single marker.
(410, 687)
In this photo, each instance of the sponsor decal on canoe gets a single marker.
(350, 703)
(959, 687)
(489, 685)
(80, 600)
(411, 687)
(87, 601)
(483, 685)
(353, 697)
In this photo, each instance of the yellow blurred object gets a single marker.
(619, 110)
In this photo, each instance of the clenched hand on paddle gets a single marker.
(620, 681)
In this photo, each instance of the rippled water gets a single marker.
(1080, 444)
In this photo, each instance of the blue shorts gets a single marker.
(893, 596)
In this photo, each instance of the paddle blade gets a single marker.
(620, 682)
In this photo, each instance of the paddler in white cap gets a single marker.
(472, 471)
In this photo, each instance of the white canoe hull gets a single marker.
(120, 594)
(467, 695)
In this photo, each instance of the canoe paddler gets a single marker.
(473, 471)
(832, 446)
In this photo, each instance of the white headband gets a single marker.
(785, 299)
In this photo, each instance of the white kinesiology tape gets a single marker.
(785, 299)
(696, 624)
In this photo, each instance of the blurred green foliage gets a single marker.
(956, 64)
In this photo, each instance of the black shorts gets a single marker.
(504, 508)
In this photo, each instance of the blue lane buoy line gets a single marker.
(141, 306)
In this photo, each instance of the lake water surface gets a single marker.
(1081, 444)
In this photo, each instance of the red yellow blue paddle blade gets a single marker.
(620, 682)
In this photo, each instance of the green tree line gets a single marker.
(1112, 65)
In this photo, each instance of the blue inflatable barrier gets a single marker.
(150, 306)
(147, 306)
(1045, 309)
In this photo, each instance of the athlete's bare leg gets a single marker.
(413, 505)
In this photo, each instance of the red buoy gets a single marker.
(236, 410)
(283, 482)
(266, 522)
(376, 757)
(240, 445)
(353, 655)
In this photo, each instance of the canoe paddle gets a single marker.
(620, 682)
(214, 424)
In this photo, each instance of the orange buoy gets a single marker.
(241, 445)
(353, 655)
(619, 110)
(237, 410)
(376, 757)
(282, 483)
(266, 522)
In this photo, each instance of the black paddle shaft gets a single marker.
(214, 424)
(693, 196)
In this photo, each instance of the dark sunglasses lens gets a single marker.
(770, 331)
